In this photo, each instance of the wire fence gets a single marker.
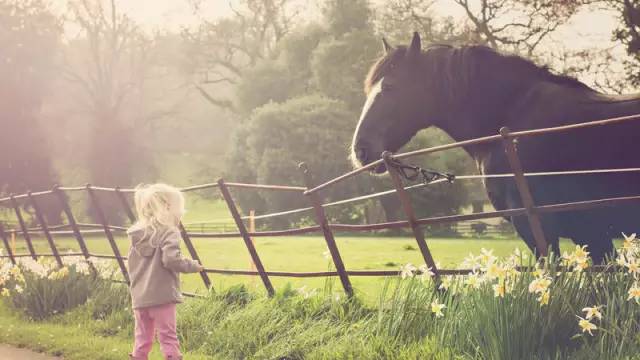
(312, 192)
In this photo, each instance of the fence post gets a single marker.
(194, 254)
(45, 229)
(5, 241)
(23, 227)
(13, 240)
(321, 219)
(72, 221)
(245, 236)
(125, 205)
(525, 193)
(252, 229)
(405, 201)
(107, 232)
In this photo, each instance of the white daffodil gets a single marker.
(437, 308)
(592, 312)
(539, 285)
(407, 271)
(425, 272)
(586, 325)
(634, 293)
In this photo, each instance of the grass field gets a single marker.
(306, 253)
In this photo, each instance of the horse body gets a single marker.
(548, 105)
(471, 92)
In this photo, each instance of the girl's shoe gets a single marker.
(131, 357)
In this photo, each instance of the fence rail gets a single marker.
(316, 207)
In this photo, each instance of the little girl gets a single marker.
(154, 266)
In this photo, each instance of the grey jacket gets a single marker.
(154, 265)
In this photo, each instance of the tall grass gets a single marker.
(496, 312)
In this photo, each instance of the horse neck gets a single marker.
(491, 89)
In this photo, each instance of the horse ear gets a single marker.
(385, 45)
(415, 48)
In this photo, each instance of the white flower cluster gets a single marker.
(629, 257)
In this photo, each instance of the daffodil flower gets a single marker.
(634, 293)
(499, 290)
(586, 325)
(495, 271)
(544, 298)
(445, 283)
(407, 271)
(486, 256)
(473, 280)
(425, 272)
(581, 251)
(437, 308)
(592, 312)
(472, 262)
(539, 285)
(633, 267)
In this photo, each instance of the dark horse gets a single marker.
(473, 91)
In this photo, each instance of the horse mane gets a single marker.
(466, 56)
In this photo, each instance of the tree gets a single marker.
(30, 40)
(222, 50)
(277, 137)
(628, 34)
(398, 19)
(286, 75)
(345, 16)
(293, 124)
(109, 63)
(339, 66)
(511, 25)
(517, 25)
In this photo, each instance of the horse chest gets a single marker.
(493, 161)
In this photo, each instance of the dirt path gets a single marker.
(13, 353)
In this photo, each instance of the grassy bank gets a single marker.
(494, 313)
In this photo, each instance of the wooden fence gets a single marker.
(312, 192)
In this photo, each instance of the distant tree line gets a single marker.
(280, 87)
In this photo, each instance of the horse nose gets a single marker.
(361, 155)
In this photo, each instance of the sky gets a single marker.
(589, 29)
(582, 31)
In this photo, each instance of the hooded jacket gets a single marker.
(154, 265)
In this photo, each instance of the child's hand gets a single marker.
(200, 268)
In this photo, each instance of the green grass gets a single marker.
(240, 324)
(200, 209)
(305, 253)
(59, 338)
(398, 323)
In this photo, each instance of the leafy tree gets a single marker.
(340, 64)
(30, 40)
(288, 125)
(628, 33)
(278, 136)
(284, 76)
(345, 16)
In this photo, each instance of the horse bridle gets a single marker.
(412, 172)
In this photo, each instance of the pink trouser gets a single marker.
(163, 319)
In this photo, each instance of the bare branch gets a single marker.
(226, 104)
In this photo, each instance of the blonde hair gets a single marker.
(158, 205)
